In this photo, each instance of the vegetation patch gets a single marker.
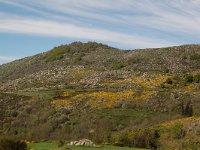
(57, 53)
(195, 57)
(117, 65)
(133, 60)
(12, 144)
(53, 146)
(142, 138)
(103, 99)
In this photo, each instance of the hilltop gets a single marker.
(111, 96)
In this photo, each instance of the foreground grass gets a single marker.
(53, 146)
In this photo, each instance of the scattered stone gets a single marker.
(83, 142)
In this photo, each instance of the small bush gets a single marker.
(184, 57)
(61, 143)
(162, 85)
(142, 138)
(169, 81)
(78, 57)
(195, 57)
(117, 65)
(177, 131)
(57, 53)
(133, 60)
(189, 78)
(74, 48)
(197, 78)
(166, 70)
(10, 144)
(188, 110)
(84, 47)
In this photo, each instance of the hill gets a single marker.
(91, 90)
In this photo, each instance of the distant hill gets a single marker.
(100, 59)
(111, 96)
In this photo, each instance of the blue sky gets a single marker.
(28, 27)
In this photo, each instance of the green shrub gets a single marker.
(141, 138)
(162, 85)
(169, 81)
(189, 78)
(133, 60)
(188, 111)
(195, 57)
(61, 143)
(184, 57)
(177, 131)
(78, 57)
(57, 53)
(90, 46)
(84, 47)
(10, 144)
(166, 70)
(117, 65)
(197, 78)
(74, 48)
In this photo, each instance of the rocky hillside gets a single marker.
(108, 95)
(88, 64)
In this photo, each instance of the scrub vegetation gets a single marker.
(118, 99)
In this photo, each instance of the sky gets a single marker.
(28, 27)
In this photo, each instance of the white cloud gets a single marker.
(5, 59)
(73, 19)
(49, 28)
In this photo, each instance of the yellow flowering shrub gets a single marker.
(108, 99)
(180, 121)
(103, 99)
(66, 94)
(190, 88)
(149, 81)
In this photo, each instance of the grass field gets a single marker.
(53, 146)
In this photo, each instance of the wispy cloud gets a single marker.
(49, 28)
(5, 59)
(133, 23)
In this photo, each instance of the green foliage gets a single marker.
(53, 146)
(188, 110)
(10, 144)
(117, 65)
(75, 48)
(133, 60)
(162, 85)
(169, 81)
(78, 57)
(195, 57)
(43, 146)
(189, 78)
(166, 70)
(36, 115)
(141, 138)
(184, 57)
(197, 78)
(177, 131)
(84, 47)
(90, 46)
(57, 53)
(61, 143)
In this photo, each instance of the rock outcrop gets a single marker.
(82, 142)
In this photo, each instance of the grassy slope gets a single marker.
(53, 146)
